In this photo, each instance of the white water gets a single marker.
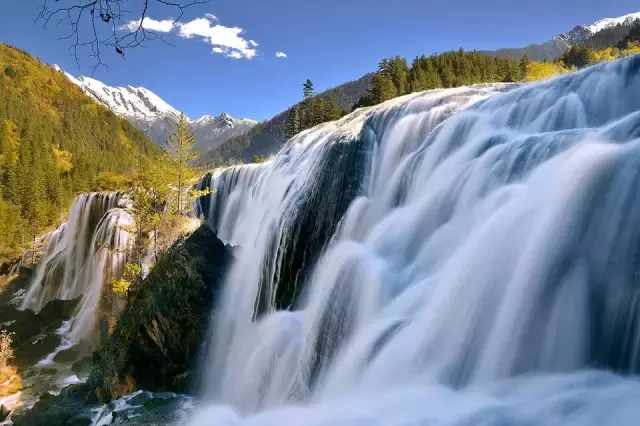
(485, 274)
(84, 252)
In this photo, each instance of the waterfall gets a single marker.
(83, 253)
(458, 256)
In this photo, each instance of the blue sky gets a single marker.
(328, 41)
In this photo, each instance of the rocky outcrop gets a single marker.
(70, 407)
(156, 340)
(34, 334)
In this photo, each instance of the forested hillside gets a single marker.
(550, 50)
(609, 37)
(547, 51)
(55, 142)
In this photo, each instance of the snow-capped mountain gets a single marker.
(582, 33)
(156, 118)
(555, 47)
(579, 34)
(602, 24)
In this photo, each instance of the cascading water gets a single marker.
(474, 260)
(86, 251)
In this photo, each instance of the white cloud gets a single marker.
(164, 26)
(226, 40)
(281, 55)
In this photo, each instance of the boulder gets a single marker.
(154, 403)
(82, 366)
(70, 407)
(156, 341)
(74, 353)
(35, 334)
(15, 285)
(4, 413)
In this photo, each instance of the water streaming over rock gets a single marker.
(474, 260)
(82, 254)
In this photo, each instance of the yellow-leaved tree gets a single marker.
(537, 71)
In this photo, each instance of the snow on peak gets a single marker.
(612, 22)
(205, 118)
(129, 102)
(155, 117)
(224, 119)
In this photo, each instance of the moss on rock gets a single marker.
(156, 339)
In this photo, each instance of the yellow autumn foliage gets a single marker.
(537, 71)
(62, 159)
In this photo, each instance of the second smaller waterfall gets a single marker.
(83, 254)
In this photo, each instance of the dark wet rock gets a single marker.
(68, 408)
(48, 371)
(57, 310)
(74, 353)
(34, 334)
(157, 338)
(17, 286)
(81, 420)
(140, 399)
(166, 413)
(4, 413)
(159, 410)
(82, 366)
(45, 395)
(7, 267)
(154, 403)
(30, 353)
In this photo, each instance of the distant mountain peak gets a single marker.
(581, 33)
(205, 118)
(612, 22)
(154, 116)
(552, 49)
(578, 34)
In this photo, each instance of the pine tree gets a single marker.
(307, 89)
(382, 88)
(400, 75)
(397, 70)
(331, 111)
(180, 147)
(524, 66)
(293, 123)
(433, 80)
(418, 78)
(514, 73)
(448, 77)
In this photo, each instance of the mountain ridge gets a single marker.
(157, 118)
(552, 49)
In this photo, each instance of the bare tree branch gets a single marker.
(96, 26)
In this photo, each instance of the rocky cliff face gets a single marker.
(156, 340)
